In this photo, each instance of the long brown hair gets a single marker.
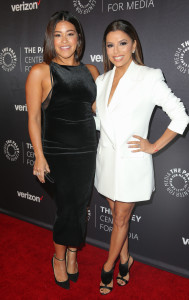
(49, 51)
(128, 28)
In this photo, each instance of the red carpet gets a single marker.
(26, 273)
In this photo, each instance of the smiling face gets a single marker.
(119, 47)
(65, 42)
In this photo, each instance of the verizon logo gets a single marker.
(97, 58)
(29, 196)
(185, 241)
(20, 107)
(25, 6)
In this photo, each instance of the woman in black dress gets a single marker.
(65, 90)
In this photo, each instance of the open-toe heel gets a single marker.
(64, 284)
(123, 271)
(72, 277)
(106, 278)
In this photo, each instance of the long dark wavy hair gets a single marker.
(49, 51)
(128, 28)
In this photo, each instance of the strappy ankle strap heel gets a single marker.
(72, 250)
(64, 284)
(123, 271)
(72, 277)
(59, 259)
(106, 278)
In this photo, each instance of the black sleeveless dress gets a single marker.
(69, 144)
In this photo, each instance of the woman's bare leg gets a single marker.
(124, 254)
(72, 266)
(121, 215)
(60, 266)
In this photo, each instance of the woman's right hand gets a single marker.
(40, 168)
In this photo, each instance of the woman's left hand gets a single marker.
(141, 145)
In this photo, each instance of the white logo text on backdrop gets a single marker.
(181, 57)
(130, 5)
(11, 150)
(19, 107)
(185, 241)
(176, 182)
(8, 59)
(82, 8)
(30, 56)
(29, 196)
(25, 6)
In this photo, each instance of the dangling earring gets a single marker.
(76, 50)
(76, 54)
(133, 51)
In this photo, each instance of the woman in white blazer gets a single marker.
(126, 96)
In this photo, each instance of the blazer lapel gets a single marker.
(126, 83)
(105, 118)
(109, 86)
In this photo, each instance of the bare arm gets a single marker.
(34, 93)
(95, 73)
(145, 146)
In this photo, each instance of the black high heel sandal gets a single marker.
(106, 278)
(64, 284)
(72, 277)
(123, 271)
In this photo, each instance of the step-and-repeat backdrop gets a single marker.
(159, 229)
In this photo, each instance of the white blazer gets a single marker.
(120, 174)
